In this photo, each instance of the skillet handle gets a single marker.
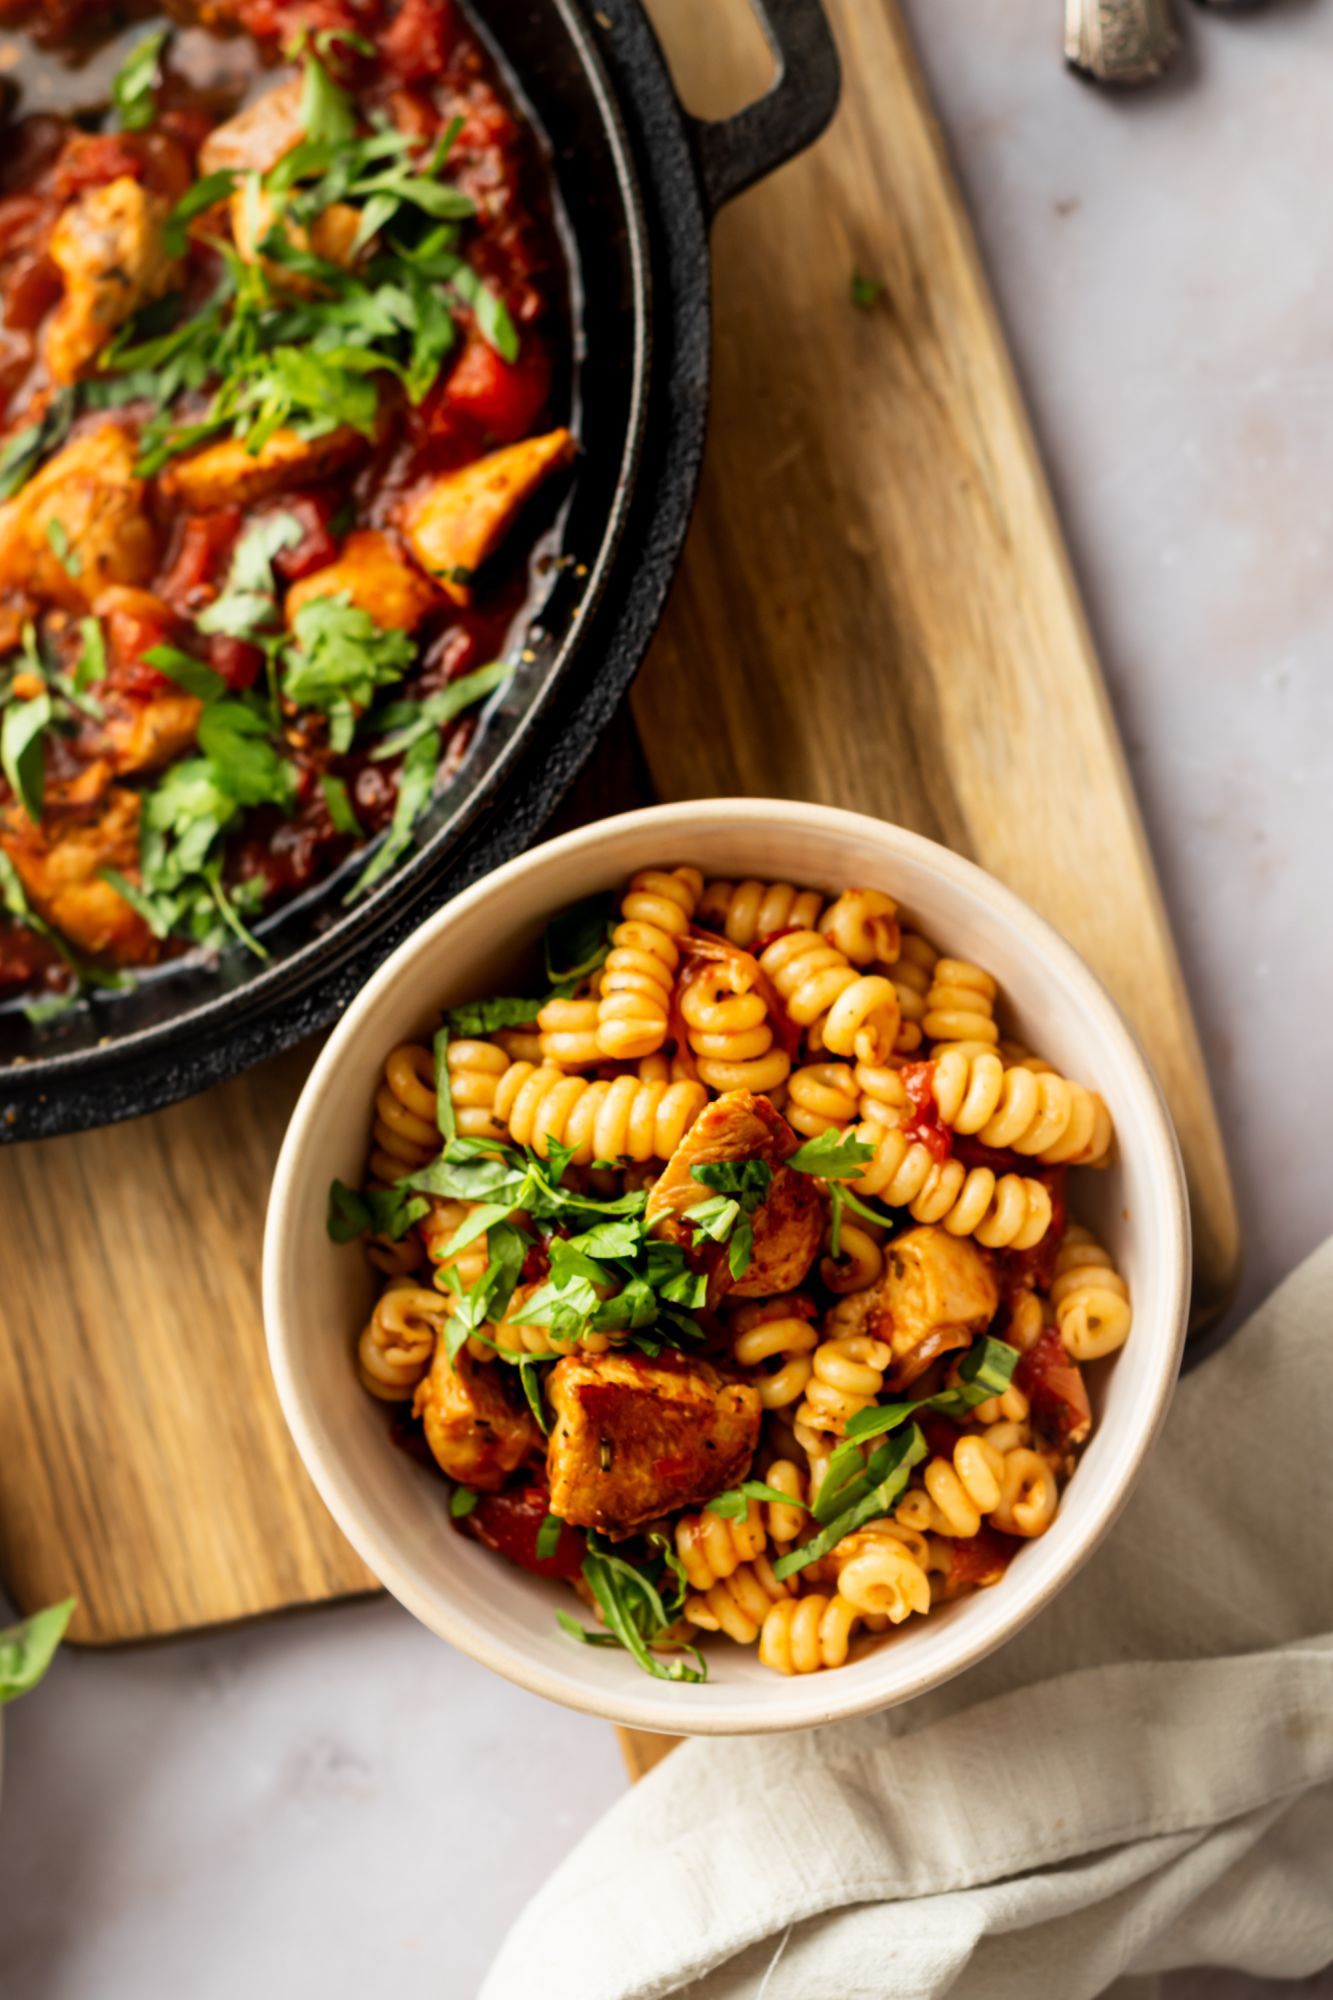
(733, 153)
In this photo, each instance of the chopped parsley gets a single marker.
(136, 81)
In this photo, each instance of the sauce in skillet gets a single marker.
(282, 359)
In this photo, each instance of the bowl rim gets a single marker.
(641, 1706)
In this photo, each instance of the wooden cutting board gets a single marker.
(875, 609)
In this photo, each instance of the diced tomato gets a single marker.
(92, 158)
(239, 665)
(32, 286)
(318, 545)
(509, 1524)
(1053, 1384)
(188, 125)
(137, 622)
(981, 1558)
(419, 40)
(924, 1125)
(167, 167)
(202, 558)
(502, 398)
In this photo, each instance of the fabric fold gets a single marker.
(1116, 1792)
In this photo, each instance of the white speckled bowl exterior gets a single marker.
(317, 1293)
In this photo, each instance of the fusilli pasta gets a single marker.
(637, 979)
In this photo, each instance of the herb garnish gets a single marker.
(629, 1597)
(132, 91)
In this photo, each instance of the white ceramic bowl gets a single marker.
(317, 1294)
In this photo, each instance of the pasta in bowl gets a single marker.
(716, 1246)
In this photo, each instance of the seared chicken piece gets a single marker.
(936, 1292)
(259, 136)
(635, 1437)
(788, 1223)
(145, 735)
(461, 518)
(79, 524)
(59, 861)
(476, 1422)
(109, 247)
(227, 475)
(330, 236)
(376, 578)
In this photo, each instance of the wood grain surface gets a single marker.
(875, 609)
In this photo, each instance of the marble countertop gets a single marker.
(337, 1803)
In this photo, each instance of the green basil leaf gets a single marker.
(416, 787)
(338, 803)
(444, 1098)
(132, 91)
(462, 1501)
(734, 1505)
(900, 1454)
(22, 751)
(483, 1017)
(195, 676)
(28, 1648)
(548, 1537)
(833, 1155)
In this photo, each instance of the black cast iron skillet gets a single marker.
(640, 181)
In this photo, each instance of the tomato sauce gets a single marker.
(417, 65)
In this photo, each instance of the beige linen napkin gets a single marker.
(1143, 1779)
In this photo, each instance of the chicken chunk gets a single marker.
(936, 1292)
(330, 236)
(227, 475)
(787, 1224)
(479, 1429)
(79, 525)
(376, 578)
(146, 735)
(109, 246)
(460, 519)
(59, 864)
(635, 1438)
(258, 137)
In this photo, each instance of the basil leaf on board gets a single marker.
(28, 1648)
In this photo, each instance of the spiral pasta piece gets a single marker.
(405, 1136)
(1035, 1113)
(640, 969)
(859, 1260)
(398, 1343)
(802, 1634)
(475, 1069)
(1011, 1212)
(730, 1035)
(956, 1492)
(711, 1548)
(1091, 1300)
(1029, 1494)
(606, 1119)
(856, 1014)
(960, 1006)
(738, 1604)
(777, 1329)
(747, 911)
(880, 1084)
(913, 972)
(440, 1224)
(863, 925)
(881, 1577)
(821, 1097)
(786, 1522)
(846, 1375)
(568, 1033)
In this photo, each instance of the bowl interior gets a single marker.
(316, 1294)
